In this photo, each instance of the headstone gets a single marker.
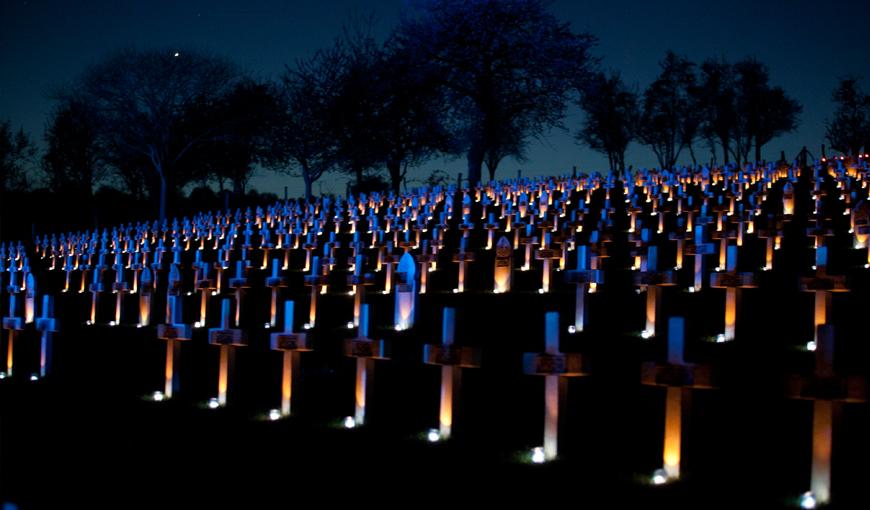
(504, 261)
(406, 293)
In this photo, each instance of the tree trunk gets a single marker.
(475, 162)
(358, 171)
(724, 151)
(307, 179)
(394, 168)
(757, 151)
(491, 170)
(162, 195)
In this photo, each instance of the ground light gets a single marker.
(538, 455)
(349, 422)
(213, 403)
(158, 396)
(274, 414)
(433, 436)
(808, 500)
(659, 477)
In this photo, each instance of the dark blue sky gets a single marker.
(806, 44)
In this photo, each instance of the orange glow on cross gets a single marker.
(673, 431)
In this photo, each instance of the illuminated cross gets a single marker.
(582, 278)
(451, 358)
(823, 285)
(425, 258)
(206, 286)
(546, 254)
(651, 279)
(226, 338)
(365, 350)
(554, 366)
(12, 323)
(772, 236)
(698, 249)
(97, 287)
(462, 257)
(275, 282)
(317, 281)
(238, 283)
(679, 377)
(173, 331)
(828, 391)
(358, 281)
(145, 291)
(732, 282)
(46, 324)
(291, 344)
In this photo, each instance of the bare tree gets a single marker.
(763, 112)
(670, 115)
(505, 64)
(309, 89)
(410, 112)
(611, 118)
(73, 161)
(16, 154)
(850, 129)
(142, 99)
(249, 116)
(717, 99)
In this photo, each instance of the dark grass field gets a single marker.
(89, 436)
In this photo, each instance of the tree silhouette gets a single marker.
(353, 107)
(410, 109)
(850, 129)
(717, 101)
(142, 99)
(305, 133)
(16, 153)
(249, 116)
(505, 65)
(670, 115)
(612, 116)
(763, 112)
(73, 161)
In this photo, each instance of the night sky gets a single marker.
(807, 46)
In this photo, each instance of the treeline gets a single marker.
(475, 79)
